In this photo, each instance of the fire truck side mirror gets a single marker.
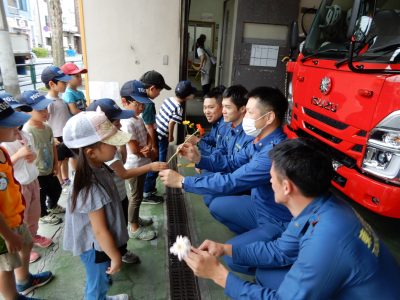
(293, 37)
(362, 28)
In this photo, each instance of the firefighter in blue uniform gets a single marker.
(254, 217)
(326, 252)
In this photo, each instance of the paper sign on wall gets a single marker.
(264, 55)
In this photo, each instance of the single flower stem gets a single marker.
(177, 150)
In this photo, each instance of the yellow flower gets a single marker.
(191, 125)
(186, 122)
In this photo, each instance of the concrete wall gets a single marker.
(126, 38)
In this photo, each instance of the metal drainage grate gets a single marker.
(183, 283)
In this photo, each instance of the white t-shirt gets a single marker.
(58, 115)
(136, 127)
(24, 172)
(205, 76)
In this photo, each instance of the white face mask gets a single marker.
(249, 126)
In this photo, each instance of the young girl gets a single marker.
(95, 227)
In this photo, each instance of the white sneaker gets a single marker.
(118, 297)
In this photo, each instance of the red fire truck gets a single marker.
(344, 92)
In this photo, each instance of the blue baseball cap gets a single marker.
(111, 109)
(14, 103)
(136, 90)
(54, 73)
(184, 89)
(9, 118)
(35, 100)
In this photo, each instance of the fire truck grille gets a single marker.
(324, 134)
(347, 161)
(326, 120)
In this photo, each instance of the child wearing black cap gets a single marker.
(171, 112)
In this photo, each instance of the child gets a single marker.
(15, 239)
(114, 115)
(153, 82)
(56, 82)
(94, 224)
(46, 161)
(22, 154)
(134, 98)
(73, 97)
(171, 112)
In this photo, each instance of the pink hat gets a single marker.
(72, 69)
(90, 127)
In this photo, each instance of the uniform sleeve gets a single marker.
(149, 114)
(220, 161)
(243, 179)
(318, 273)
(68, 97)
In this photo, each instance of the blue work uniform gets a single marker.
(213, 140)
(334, 255)
(254, 217)
(235, 139)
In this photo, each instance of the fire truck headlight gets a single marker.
(382, 155)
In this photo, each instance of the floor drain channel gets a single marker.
(183, 283)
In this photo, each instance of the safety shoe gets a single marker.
(118, 297)
(130, 258)
(152, 199)
(33, 256)
(56, 210)
(41, 241)
(50, 219)
(34, 281)
(142, 233)
(145, 221)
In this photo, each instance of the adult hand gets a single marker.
(158, 166)
(189, 152)
(171, 178)
(192, 139)
(214, 248)
(13, 242)
(206, 265)
(115, 266)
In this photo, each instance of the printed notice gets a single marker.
(264, 55)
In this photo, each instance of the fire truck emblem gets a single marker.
(326, 85)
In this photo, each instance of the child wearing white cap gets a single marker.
(94, 225)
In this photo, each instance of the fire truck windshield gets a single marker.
(381, 43)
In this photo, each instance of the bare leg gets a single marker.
(7, 285)
(22, 272)
(64, 170)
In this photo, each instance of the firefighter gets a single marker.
(333, 253)
(254, 217)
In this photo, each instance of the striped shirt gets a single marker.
(171, 110)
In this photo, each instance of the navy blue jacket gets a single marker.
(335, 255)
(213, 140)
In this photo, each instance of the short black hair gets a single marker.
(237, 93)
(271, 98)
(47, 84)
(216, 92)
(301, 161)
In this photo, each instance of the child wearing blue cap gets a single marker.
(46, 160)
(23, 154)
(56, 82)
(15, 239)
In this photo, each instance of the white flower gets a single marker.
(181, 247)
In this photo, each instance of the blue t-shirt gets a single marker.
(77, 97)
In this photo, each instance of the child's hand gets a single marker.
(56, 169)
(56, 142)
(115, 266)
(26, 153)
(170, 139)
(146, 151)
(13, 242)
(158, 166)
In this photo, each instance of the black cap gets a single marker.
(154, 78)
(135, 89)
(111, 109)
(54, 73)
(184, 89)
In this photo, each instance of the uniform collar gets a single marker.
(308, 215)
(275, 137)
(237, 130)
(218, 122)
